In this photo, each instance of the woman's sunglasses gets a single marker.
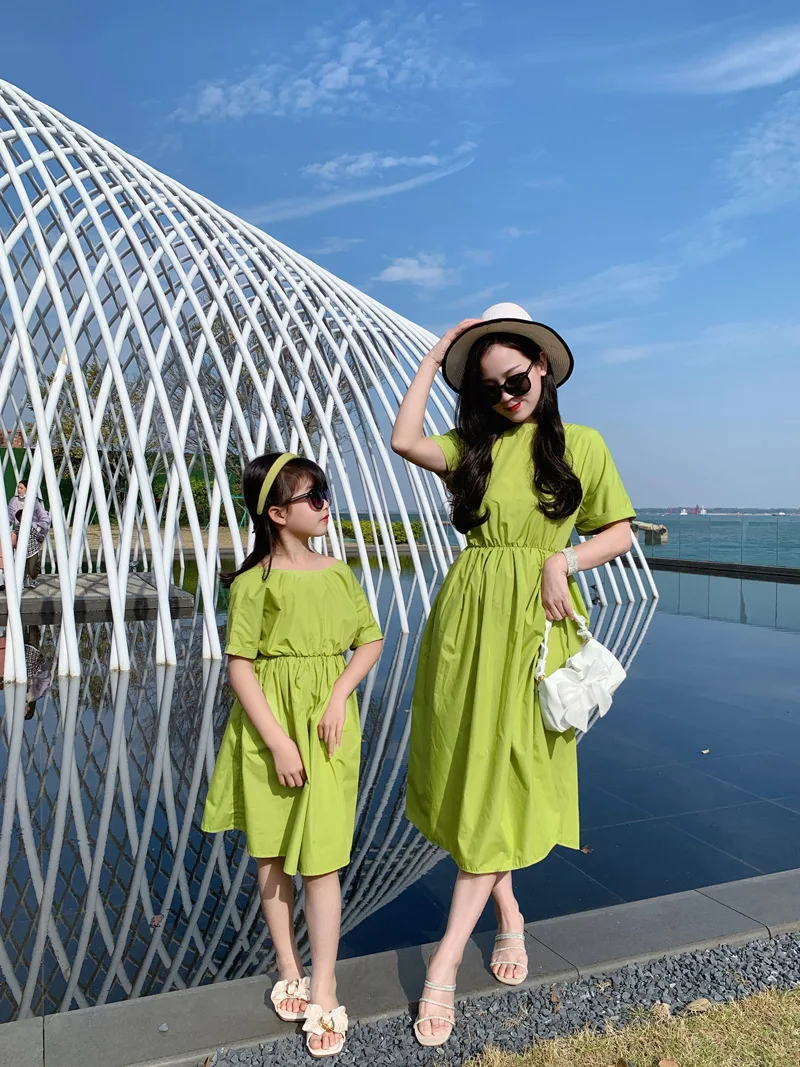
(516, 385)
(317, 498)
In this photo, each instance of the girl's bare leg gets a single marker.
(470, 894)
(277, 900)
(509, 921)
(324, 916)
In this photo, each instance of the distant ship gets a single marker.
(696, 510)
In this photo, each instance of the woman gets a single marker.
(486, 781)
(40, 524)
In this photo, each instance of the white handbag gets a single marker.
(587, 681)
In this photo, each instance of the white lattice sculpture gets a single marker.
(151, 343)
(130, 897)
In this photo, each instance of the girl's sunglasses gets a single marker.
(516, 385)
(317, 498)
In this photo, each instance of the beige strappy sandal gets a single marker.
(321, 1022)
(432, 1040)
(294, 989)
(500, 963)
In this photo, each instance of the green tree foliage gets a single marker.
(348, 531)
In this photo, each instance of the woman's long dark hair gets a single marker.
(296, 473)
(554, 481)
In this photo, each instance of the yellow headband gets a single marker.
(269, 481)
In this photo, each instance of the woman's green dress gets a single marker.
(486, 781)
(295, 626)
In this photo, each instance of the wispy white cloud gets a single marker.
(481, 256)
(513, 233)
(552, 182)
(633, 353)
(300, 207)
(630, 283)
(762, 174)
(466, 148)
(769, 58)
(425, 270)
(603, 332)
(481, 299)
(743, 339)
(764, 169)
(351, 166)
(366, 164)
(169, 142)
(337, 70)
(334, 245)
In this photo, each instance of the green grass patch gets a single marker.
(758, 1031)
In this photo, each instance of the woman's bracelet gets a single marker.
(572, 560)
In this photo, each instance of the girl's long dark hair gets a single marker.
(554, 481)
(296, 473)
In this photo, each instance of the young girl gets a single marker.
(287, 771)
(486, 781)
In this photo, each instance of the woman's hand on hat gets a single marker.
(439, 350)
(555, 589)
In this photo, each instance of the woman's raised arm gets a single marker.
(408, 435)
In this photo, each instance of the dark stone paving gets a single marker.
(516, 1020)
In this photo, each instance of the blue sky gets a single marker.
(628, 172)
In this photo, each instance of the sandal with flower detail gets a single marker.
(500, 963)
(433, 1040)
(293, 989)
(322, 1022)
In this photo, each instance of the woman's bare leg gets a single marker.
(277, 900)
(509, 921)
(470, 894)
(324, 916)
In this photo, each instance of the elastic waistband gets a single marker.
(303, 655)
(506, 547)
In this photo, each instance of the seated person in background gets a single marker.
(39, 527)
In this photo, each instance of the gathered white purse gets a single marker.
(569, 696)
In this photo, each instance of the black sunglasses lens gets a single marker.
(516, 385)
(318, 498)
(519, 385)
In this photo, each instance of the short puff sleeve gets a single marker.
(368, 629)
(452, 447)
(604, 497)
(246, 614)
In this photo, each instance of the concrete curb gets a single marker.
(238, 1014)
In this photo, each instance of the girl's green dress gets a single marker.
(295, 626)
(486, 781)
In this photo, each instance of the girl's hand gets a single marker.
(331, 724)
(437, 353)
(555, 589)
(288, 763)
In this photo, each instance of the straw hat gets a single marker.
(507, 318)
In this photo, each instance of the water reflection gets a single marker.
(108, 887)
(754, 603)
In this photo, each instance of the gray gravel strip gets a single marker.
(514, 1021)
